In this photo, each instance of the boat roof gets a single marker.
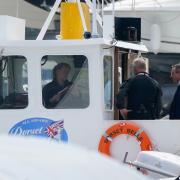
(84, 42)
(50, 43)
(145, 5)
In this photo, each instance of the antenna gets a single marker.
(17, 8)
(82, 15)
(133, 4)
(102, 13)
(48, 20)
(94, 24)
(98, 17)
(113, 16)
(54, 9)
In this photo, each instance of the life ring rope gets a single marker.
(124, 128)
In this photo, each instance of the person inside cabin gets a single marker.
(54, 91)
(140, 96)
(175, 105)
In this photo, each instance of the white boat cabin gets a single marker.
(87, 109)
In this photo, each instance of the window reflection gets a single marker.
(65, 82)
(108, 82)
(13, 82)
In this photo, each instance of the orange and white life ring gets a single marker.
(124, 128)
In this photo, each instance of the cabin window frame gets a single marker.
(22, 56)
(112, 83)
(88, 74)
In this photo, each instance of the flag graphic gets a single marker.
(53, 129)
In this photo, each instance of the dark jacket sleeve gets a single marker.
(175, 106)
(158, 106)
(122, 95)
(177, 111)
(47, 95)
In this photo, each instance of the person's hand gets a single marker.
(55, 98)
(64, 91)
(124, 112)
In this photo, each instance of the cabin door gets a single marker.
(117, 79)
(122, 71)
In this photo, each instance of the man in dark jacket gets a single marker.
(54, 91)
(175, 105)
(140, 96)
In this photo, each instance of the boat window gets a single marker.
(65, 81)
(108, 82)
(13, 82)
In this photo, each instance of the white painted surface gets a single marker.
(84, 126)
(35, 159)
(11, 28)
(126, 45)
(108, 27)
(159, 161)
(155, 38)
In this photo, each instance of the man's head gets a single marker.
(139, 65)
(175, 73)
(61, 72)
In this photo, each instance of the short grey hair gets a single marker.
(176, 67)
(139, 63)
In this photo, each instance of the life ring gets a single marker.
(124, 128)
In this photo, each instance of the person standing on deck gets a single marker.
(140, 96)
(175, 105)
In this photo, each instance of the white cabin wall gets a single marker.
(169, 22)
(164, 134)
(84, 126)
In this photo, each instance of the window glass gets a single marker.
(108, 82)
(65, 82)
(13, 82)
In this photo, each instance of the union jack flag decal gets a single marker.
(53, 129)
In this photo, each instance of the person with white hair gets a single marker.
(139, 97)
